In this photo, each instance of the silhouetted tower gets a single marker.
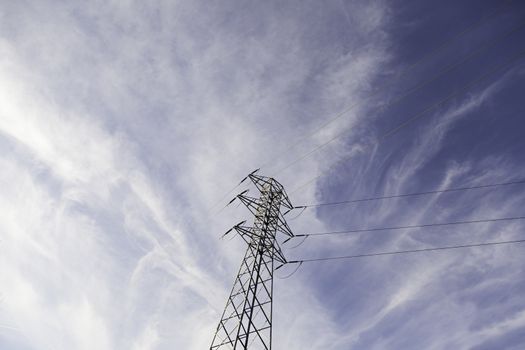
(247, 318)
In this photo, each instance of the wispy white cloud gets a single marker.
(118, 123)
(434, 279)
(122, 123)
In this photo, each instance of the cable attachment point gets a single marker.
(252, 173)
(298, 207)
(294, 271)
(237, 196)
(301, 243)
(289, 238)
(233, 228)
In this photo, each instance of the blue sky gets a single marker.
(123, 123)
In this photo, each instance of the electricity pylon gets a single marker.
(247, 318)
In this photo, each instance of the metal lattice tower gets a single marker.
(247, 318)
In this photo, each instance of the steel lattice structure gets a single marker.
(247, 318)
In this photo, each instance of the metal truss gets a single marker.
(246, 322)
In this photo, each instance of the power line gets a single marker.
(410, 194)
(408, 251)
(423, 58)
(230, 191)
(223, 198)
(422, 113)
(410, 226)
(467, 30)
(426, 56)
(410, 91)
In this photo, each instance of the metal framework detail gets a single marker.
(247, 318)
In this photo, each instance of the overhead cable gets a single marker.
(410, 91)
(423, 58)
(413, 194)
(422, 113)
(409, 226)
(422, 250)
